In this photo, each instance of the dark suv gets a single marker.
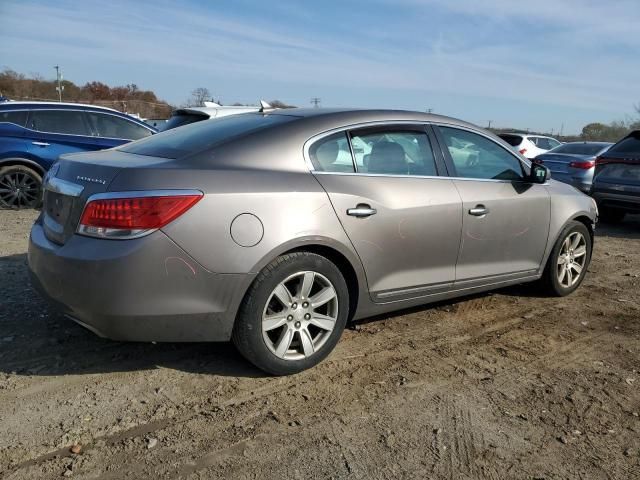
(616, 182)
(34, 134)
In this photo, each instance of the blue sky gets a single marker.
(534, 65)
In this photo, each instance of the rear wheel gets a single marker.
(293, 314)
(569, 260)
(611, 215)
(20, 187)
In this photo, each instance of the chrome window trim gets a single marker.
(83, 111)
(63, 187)
(423, 123)
(345, 128)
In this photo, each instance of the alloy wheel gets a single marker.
(299, 316)
(19, 189)
(571, 259)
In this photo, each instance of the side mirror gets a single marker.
(539, 173)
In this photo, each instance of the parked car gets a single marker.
(34, 134)
(273, 231)
(616, 183)
(530, 145)
(187, 115)
(574, 162)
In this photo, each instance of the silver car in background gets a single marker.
(574, 162)
(276, 229)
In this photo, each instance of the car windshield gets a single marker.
(201, 136)
(513, 140)
(580, 148)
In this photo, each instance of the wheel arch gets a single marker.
(24, 162)
(344, 258)
(582, 217)
(343, 264)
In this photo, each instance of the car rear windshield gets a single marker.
(513, 140)
(579, 148)
(627, 146)
(182, 118)
(201, 136)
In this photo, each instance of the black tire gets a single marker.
(247, 333)
(611, 215)
(550, 280)
(20, 187)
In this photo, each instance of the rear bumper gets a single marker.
(629, 202)
(581, 183)
(147, 289)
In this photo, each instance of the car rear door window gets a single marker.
(393, 152)
(513, 140)
(18, 117)
(546, 143)
(112, 126)
(70, 122)
(332, 154)
(475, 156)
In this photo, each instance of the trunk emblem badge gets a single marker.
(91, 180)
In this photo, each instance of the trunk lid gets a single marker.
(559, 162)
(72, 180)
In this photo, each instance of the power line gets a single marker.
(315, 101)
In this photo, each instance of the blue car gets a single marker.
(34, 134)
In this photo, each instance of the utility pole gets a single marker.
(315, 101)
(561, 130)
(429, 110)
(59, 88)
(489, 126)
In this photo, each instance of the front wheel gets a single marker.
(293, 314)
(569, 260)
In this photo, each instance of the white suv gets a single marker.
(529, 145)
(186, 115)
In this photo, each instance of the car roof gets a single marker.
(22, 105)
(64, 105)
(347, 116)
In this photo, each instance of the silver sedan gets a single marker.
(275, 229)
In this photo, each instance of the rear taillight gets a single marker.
(133, 214)
(522, 151)
(583, 165)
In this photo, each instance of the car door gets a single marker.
(12, 134)
(505, 221)
(112, 130)
(54, 132)
(402, 218)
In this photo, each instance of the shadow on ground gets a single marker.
(35, 340)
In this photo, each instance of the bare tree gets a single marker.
(198, 97)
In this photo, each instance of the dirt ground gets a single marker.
(503, 385)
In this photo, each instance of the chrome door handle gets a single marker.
(40, 144)
(478, 211)
(361, 211)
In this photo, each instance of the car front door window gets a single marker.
(393, 153)
(475, 156)
(111, 126)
